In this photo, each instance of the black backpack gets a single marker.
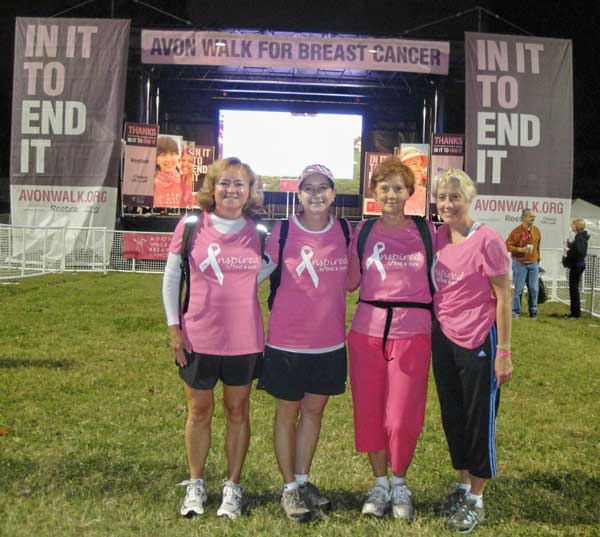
(389, 305)
(191, 222)
(275, 277)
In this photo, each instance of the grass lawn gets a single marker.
(95, 411)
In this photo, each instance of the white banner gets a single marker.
(64, 206)
(503, 213)
(258, 50)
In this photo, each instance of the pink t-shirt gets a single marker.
(309, 311)
(223, 316)
(394, 269)
(465, 304)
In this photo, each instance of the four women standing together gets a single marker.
(389, 259)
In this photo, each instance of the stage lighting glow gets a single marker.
(278, 145)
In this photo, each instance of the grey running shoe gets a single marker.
(195, 498)
(402, 506)
(377, 502)
(294, 506)
(313, 498)
(231, 505)
(451, 504)
(466, 517)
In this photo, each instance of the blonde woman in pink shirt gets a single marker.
(220, 336)
(471, 343)
(305, 355)
(390, 340)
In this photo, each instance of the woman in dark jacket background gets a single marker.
(576, 252)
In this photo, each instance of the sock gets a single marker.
(301, 479)
(475, 497)
(465, 487)
(287, 487)
(382, 482)
(397, 481)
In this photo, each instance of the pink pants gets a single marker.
(389, 397)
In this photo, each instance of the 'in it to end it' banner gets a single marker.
(519, 130)
(68, 98)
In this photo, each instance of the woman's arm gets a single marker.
(503, 366)
(353, 276)
(170, 294)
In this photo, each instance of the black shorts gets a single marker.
(204, 370)
(289, 375)
(469, 400)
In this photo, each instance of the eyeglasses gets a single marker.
(315, 191)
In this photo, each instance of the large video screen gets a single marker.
(278, 145)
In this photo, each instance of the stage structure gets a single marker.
(403, 90)
(377, 93)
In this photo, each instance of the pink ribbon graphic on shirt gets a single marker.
(306, 264)
(213, 251)
(374, 258)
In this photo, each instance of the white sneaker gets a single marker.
(402, 506)
(195, 497)
(231, 506)
(377, 502)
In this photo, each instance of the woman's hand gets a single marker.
(503, 369)
(178, 342)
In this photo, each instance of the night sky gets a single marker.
(367, 17)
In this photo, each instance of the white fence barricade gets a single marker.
(29, 251)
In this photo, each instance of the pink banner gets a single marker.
(151, 246)
(416, 157)
(288, 185)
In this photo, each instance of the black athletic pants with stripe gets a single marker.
(469, 399)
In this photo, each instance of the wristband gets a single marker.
(505, 347)
(503, 354)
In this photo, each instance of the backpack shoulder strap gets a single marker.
(362, 238)
(261, 229)
(426, 237)
(190, 225)
(275, 277)
(345, 228)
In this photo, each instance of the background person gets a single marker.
(389, 386)
(471, 343)
(576, 252)
(167, 178)
(305, 355)
(523, 243)
(220, 337)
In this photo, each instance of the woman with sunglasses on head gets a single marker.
(220, 336)
(390, 339)
(471, 343)
(305, 356)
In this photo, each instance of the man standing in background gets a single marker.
(523, 243)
